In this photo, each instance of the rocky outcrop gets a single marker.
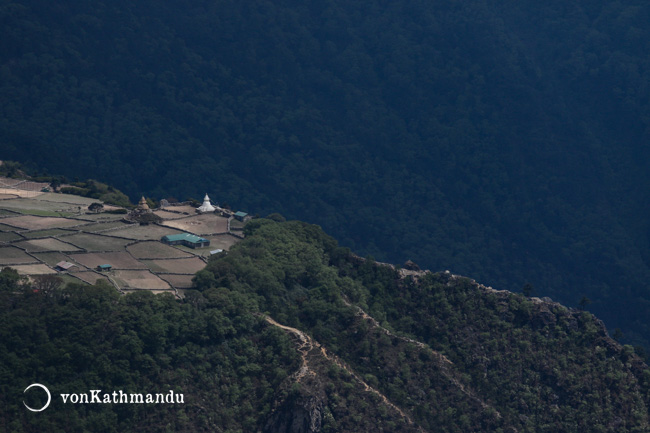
(302, 414)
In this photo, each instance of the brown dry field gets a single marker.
(12, 255)
(100, 217)
(66, 198)
(8, 181)
(169, 215)
(189, 210)
(200, 224)
(103, 226)
(20, 192)
(47, 233)
(90, 277)
(31, 186)
(141, 280)
(91, 242)
(30, 222)
(4, 196)
(203, 252)
(145, 233)
(53, 258)
(176, 266)
(224, 242)
(111, 207)
(178, 281)
(155, 250)
(48, 244)
(39, 269)
(27, 204)
(119, 260)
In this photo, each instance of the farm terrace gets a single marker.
(51, 233)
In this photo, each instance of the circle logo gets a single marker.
(49, 397)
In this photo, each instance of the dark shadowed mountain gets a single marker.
(504, 141)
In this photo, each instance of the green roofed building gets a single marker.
(186, 239)
(242, 216)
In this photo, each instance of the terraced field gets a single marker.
(176, 266)
(51, 259)
(178, 281)
(6, 237)
(145, 233)
(155, 250)
(117, 259)
(13, 255)
(95, 242)
(34, 234)
(36, 269)
(39, 230)
(35, 222)
(46, 244)
(205, 224)
(223, 242)
(141, 280)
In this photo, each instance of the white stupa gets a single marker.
(206, 206)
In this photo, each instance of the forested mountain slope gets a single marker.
(291, 333)
(505, 141)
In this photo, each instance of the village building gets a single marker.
(105, 267)
(206, 206)
(64, 266)
(186, 239)
(242, 216)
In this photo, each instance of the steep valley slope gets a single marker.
(288, 332)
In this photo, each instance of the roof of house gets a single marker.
(241, 214)
(105, 266)
(65, 265)
(185, 237)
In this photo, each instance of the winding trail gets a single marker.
(376, 324)
(444, 362)
(307, 344)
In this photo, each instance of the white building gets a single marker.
(206, 206)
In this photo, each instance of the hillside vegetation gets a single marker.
(289, 332)
(505, 141)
